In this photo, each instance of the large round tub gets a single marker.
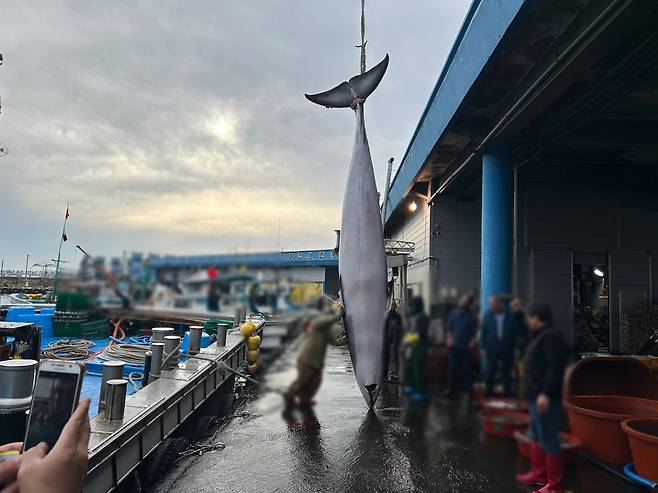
(643, 439)
(596, 420)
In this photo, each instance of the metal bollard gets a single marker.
(147, 368)
(222, 330)
(157, 349)
(170, 346)
(116, 399)
(112, 369)
(194, 346)
(159, 333)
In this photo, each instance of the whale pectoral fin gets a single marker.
(338, 97)
(363, 85)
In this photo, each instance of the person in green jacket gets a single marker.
(318, 334)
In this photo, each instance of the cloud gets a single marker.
(178, 127)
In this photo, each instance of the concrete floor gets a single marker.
(438, 448)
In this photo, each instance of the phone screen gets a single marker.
(52, 405)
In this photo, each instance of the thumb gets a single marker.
(35, 454)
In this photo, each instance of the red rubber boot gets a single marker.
(538, 467)
(555, 474)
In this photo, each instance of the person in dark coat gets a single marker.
(462, 329)
(393, 338)
(520, 324)
(498, 343)
(212, 303)
(544, 366)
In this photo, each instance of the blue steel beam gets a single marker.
(301, 258)
(485, 24)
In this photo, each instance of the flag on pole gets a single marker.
(64, 236)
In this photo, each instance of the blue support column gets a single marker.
(497, 223)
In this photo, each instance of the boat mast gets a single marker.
(62, 239)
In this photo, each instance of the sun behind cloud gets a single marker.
(223, 127)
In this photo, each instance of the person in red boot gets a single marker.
(544, 364)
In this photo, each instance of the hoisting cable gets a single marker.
(363, 36)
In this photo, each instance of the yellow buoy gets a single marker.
(247, 328)
(252, 356)
(252, 368)
(253, 342)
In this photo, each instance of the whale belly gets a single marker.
(362, 269)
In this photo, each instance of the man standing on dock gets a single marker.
(498, 343)
(545, 362)
(318, 334)
(462, 328)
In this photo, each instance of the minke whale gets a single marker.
(362, 260)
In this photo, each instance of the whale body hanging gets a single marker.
(362, 260)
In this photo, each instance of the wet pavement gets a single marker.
(340, 446)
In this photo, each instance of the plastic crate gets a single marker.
(210, 326)
(70, 301)
(97, 329)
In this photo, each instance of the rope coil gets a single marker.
(68, 349)
(131, 354)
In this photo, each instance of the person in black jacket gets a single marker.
(520, 324)
(497, 345)
(544, 365)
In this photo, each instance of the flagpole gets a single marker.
(59, 255)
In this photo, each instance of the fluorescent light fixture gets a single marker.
(598, 272)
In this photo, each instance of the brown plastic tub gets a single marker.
(596, 420)
(643, 439)
(611, 375)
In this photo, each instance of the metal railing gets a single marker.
(398, 247)
(35, 273)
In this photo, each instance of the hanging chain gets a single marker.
(363, 36)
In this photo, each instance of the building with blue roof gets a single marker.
(314, 266)
(532, 169)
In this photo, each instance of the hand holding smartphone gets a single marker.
(55, 397)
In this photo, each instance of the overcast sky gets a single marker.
(181, 127)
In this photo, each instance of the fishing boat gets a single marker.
(31, 299)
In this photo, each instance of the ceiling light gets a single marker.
(598, 272)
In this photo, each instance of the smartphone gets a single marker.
(54, 399)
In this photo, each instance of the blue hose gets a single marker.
(629, 470)
(139, 340)
(143, 340)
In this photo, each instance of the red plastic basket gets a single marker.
(502, 405)
(504, 424)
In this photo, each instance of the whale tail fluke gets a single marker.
(358, 87)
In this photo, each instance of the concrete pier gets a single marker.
(338, 446)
